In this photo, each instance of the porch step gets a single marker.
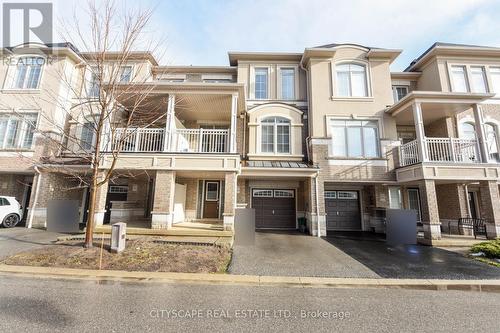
(176, 231)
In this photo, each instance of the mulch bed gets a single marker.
(139, 255)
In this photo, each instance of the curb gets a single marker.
(250, 280)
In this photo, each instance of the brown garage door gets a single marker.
(274, 209)
(342, 210)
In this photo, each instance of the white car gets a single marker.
(10, 211)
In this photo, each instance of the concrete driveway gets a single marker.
(19, 239)
(295, 254)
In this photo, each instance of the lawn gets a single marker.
(144, 254)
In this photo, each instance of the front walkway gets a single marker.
(284, 254)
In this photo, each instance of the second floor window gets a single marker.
(351, 80)
(478, 79)
(399, 92)
(16, 131)
(28, 72)
(459, 77)
(468, 131)
(125, 73)
(93, 84)
(287, 83)
(261, 80)
(492, 141)
(354, 138)
(87, 136)
(495, 79)
(275, 135)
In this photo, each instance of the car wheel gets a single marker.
(10, 220)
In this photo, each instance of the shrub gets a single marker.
(491, 249)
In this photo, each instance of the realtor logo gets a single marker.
(26, 23)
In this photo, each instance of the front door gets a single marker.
(211, 200)
(472, 205)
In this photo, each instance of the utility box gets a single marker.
(118, 237)
(401, 227)
(244, 227)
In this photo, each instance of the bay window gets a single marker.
(351, 80)
(354, 138)
(459, 78)
(28, 72)
(275, 135)
(261, 81)
(16, 131)
(287, 83)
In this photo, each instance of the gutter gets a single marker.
(35, 199)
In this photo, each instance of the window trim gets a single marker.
(379, 128)
(368, 75)
(279, 82)
(395, 92)
(275, 135)
(22, 112)
(253, 82)
(206, 191)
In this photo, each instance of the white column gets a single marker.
(234, 121)
(420, 131)
(480, 133)
(169, 122)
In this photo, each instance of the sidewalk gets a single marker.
(255, 280)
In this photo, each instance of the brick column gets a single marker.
(230, 185)
(430, 211)
(490, 207)
(100, 202)
(163, 202)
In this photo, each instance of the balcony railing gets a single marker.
(182, 140)
(452, 150)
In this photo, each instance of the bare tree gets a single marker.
(109, 104)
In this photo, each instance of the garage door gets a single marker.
(342, 210)
(274, 209)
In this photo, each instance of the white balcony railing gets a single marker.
(182, 140)
(441, 150)
(200, 140)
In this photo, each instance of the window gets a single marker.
(468, 131)
(414, 202)
(16, 131)
(261, 80)
(87, 136)
(263, 193)
(283, 193)
(118, 189)
(478, 79)
(351, 80)
(275, 135)
(399, 92)
(347, 195)
(330, 194)
(212, 191)
(93, 84)
(28, 72)
(287, 83)
(125, 73)
(459, 78)
(495, 79)
(354, 138)
(492, 141)
(394, 198)
(4, 202)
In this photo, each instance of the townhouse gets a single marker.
(329, 134)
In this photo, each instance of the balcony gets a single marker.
(447, 150)
(150, 140)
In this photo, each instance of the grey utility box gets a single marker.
(62, 216)
(401, 227)
(118, 237)
(244, 227)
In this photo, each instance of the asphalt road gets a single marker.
(48, 305)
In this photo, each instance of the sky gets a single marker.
(201, 32)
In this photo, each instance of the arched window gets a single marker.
(468, 131)
(28, 72)
(351, 80)
(275, 135)
(492, 140)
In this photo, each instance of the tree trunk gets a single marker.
(89, 232)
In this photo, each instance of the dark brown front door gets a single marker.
(211, 200)
(274, 209)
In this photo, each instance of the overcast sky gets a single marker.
(201, 32)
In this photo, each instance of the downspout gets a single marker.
(317, 203)
(35, 199)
